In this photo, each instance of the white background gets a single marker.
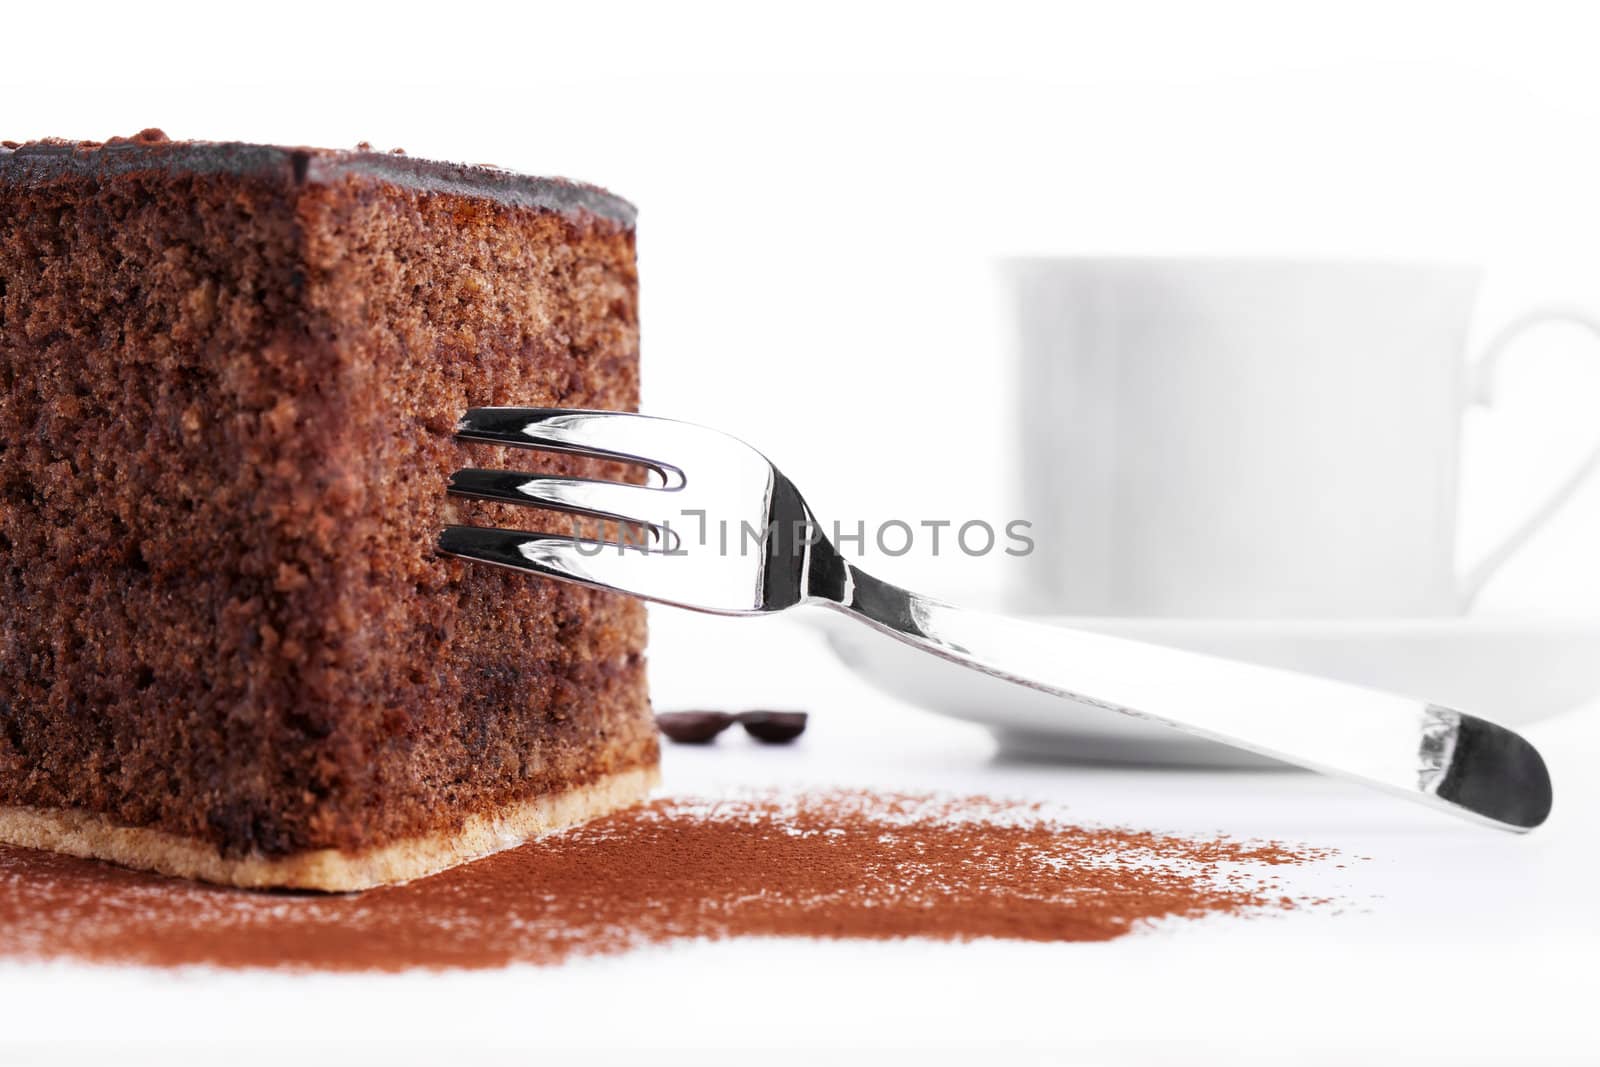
(823, 189)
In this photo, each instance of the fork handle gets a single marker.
(1433, 755)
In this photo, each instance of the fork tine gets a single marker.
(613, 435)
(636, 505)
(599, 564)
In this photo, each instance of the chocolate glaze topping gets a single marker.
(41, 161)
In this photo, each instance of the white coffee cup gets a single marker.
(1250, 438)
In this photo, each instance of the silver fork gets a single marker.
(775, 558)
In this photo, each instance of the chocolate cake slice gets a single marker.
(229, 376)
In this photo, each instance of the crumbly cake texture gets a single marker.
(229, 375)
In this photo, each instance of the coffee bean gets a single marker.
(773, 727)
(693, 727)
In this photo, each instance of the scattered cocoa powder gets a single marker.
(834, 864)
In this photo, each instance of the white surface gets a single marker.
(1510, 671)
(1241, 438)
(1457, 943)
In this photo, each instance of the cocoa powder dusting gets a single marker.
(831, 865)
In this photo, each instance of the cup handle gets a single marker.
(1482, 384)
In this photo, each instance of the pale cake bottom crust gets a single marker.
(91, 836)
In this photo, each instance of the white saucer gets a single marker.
(1512, 672)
